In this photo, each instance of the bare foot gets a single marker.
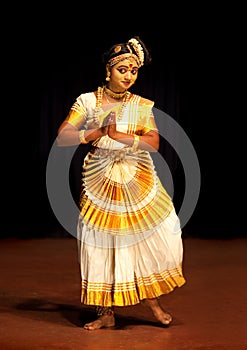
(101, 322)
(162, 316)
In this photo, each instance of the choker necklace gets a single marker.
(99, 96)
(115, 95)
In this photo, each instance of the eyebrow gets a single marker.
(123, 66)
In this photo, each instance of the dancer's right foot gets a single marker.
(103, 321)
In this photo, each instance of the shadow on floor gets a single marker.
(76, 315)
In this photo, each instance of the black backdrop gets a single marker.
(195, 78)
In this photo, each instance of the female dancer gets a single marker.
(129, 235)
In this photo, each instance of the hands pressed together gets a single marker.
(68, 135)
(109, 126)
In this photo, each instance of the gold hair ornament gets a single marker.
(117, 49)
(123, 57)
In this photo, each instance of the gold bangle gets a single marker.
(136, 142)
(82, 137)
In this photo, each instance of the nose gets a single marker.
(128, 75)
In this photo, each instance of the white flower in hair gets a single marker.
(138, 49)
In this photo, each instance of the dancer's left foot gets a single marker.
(162, 316)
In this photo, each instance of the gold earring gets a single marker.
(108, 76)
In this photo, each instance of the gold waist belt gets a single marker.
(114, 154)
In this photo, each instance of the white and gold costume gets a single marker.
(129, 235)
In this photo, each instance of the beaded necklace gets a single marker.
(99, 96)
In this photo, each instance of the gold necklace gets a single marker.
(99, 97)
(115, 95)
(123, 105)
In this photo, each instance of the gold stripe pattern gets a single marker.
(128, 232)
(131, 293)
(135, 206)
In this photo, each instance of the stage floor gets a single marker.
(40, 301)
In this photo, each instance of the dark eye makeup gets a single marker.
(123, 70)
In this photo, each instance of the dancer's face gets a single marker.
(123, 75)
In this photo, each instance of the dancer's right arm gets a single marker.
(68, 135)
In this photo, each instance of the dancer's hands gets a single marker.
(112, 130)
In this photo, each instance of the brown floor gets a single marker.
(40, 301)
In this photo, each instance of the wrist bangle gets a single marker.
(82, 137)
(135, 143)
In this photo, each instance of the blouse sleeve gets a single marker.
(145, 116)
(81, 109)
(150, 125)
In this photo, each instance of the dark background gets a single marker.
(196, 77)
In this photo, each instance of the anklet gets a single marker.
(104, 310)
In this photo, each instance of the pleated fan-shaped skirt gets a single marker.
(129, 235)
